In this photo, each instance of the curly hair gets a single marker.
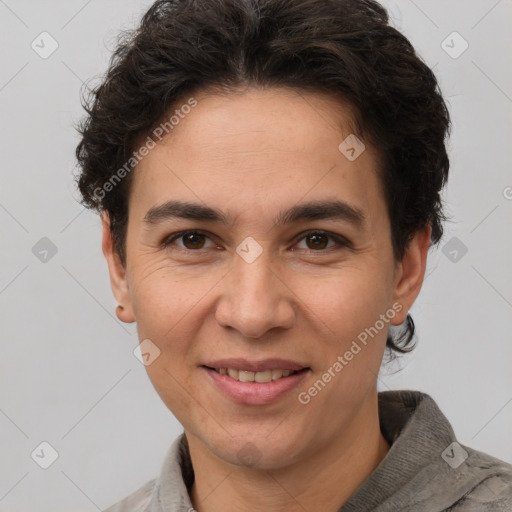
(342, 47)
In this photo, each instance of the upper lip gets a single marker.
(256, 366)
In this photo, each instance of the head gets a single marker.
(268, 175)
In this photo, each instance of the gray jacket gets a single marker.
(425, 470)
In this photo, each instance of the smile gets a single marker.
(260, 377)
(256, 383)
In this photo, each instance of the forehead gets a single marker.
(254, 118)
(255, 148)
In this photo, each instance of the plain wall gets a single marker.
(67, 372)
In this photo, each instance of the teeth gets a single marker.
(245, 376)
(233, 373)
(265, 376)
(261, 377)
(277, 374)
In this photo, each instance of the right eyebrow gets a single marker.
(183, 210)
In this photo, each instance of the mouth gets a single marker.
(255, 383)
(259, 377)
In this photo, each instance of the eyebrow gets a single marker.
(314, 210)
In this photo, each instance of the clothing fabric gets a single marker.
(425, 470)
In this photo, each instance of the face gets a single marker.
(282, 264)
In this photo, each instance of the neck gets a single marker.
(323, 481)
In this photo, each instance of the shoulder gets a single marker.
(166, 492)
(492, 491)
(138, 500)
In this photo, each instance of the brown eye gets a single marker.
(187, 240)
(193, 241)
(318, 241)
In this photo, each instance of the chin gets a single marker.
(263, 452)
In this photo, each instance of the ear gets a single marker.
(117, 272)
(410, 272)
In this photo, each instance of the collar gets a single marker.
(412, 474)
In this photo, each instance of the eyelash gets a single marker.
(340, 241)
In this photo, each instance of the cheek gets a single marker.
(166, 298)
(169, 307)
(348, 310)
(344, 302)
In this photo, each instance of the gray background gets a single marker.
(68, 375)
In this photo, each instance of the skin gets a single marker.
(252, 154)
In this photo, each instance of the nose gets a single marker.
(255, 299)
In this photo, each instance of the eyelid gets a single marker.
(340, 240)
(168, 240)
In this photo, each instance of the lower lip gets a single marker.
(255, 393)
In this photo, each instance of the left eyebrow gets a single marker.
(314, 210)
(336, 210)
